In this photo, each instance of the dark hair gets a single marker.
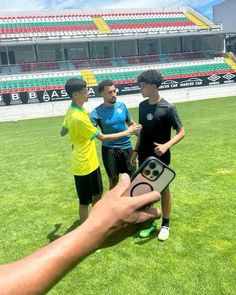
(151, 77)
(73, 85)
(103, 84)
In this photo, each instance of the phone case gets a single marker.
(152, 175)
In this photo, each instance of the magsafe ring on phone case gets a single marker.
(141, 188)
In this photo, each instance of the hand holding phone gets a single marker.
(152, 175)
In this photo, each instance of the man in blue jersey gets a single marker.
(112, 117)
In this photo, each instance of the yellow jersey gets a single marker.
(82, 134)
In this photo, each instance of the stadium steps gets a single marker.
(89, 77)
(102, 25)
(230, 61)
(196, 20)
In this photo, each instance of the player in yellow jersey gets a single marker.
(85, 165)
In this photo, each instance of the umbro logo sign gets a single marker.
(213, 78)
(229, 76)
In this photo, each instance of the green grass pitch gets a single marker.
(38, 204)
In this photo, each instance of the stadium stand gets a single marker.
(116, 44)
(36, 67)
(124, 75)
(99, 24)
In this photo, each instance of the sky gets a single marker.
(203, 6)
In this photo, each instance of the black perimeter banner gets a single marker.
(123, 89)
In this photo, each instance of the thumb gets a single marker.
(122, 185)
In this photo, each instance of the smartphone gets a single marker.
(152, 175)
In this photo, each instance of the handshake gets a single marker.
(134, 129)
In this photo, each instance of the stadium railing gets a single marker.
(81, 64)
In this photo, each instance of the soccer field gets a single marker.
(38, 204)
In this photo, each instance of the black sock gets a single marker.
(165, 222)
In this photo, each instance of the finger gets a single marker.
(150, 213)
(146, 199)
(157, 152)
(122, 185)
(154, 211)
(157, 144)
(137, 127)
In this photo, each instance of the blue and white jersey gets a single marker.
(112, 119)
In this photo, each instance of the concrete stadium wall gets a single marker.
(224, 13)
(58, 108)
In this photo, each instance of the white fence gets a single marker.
(58, 108)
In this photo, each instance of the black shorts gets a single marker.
(164, 158)
(117, 161)
(88, 185)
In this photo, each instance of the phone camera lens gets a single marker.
(152, 165)
(147, 172)
(155, 173)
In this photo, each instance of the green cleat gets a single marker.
(146, 232)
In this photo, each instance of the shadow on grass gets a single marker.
(141, 241)
(52, 236)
